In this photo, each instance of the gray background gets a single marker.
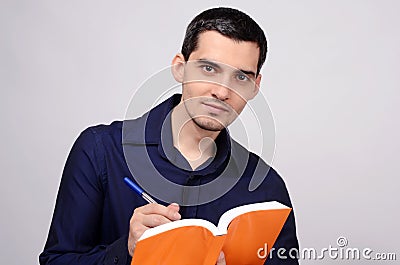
(331, 81)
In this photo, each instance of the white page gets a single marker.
(228, 216)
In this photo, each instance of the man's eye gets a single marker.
(242, 77)
(208, 68)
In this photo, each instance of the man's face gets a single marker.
(219, 78)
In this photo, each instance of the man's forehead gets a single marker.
(214, 46)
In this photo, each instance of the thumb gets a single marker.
(174, 210)
(221, 259)
(173, 206)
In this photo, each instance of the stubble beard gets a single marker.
(208, 124)
(205, 122)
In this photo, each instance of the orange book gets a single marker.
(242, 234)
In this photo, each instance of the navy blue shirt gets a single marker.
(90, 223)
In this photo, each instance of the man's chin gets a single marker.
(209, 124)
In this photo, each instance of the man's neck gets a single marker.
(193, 142)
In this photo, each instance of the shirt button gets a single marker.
(116, 259)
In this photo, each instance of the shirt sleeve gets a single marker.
(75, 231)
(286, 247)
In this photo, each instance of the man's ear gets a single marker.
(178, 67)
(256, 86)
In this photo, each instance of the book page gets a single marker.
(180, 223)
(229, 215)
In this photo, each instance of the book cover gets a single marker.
(240, 233)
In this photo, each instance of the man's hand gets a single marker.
(221, 259)
(147, 216)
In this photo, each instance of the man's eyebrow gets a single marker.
(216, 65)
(248, 72)
(213, 64)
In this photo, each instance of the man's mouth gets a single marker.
(215, 107)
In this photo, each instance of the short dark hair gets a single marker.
(229, 22)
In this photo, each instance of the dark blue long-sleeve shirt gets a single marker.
(90, 224)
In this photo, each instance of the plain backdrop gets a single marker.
(331, 80)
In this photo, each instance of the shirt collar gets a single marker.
(147, 128)
(168, 151)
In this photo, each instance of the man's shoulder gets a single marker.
(253, 158)
(257, 168)
(101, 133)
(112, 128)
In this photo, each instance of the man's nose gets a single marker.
(221, 90)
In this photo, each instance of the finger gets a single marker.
(154, 208)
(221, 259)
(174, 206)
(135, 232)
(153, 220)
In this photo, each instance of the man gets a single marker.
(183, 141)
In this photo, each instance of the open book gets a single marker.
(242, 234)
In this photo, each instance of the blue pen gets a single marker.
(138, 190)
